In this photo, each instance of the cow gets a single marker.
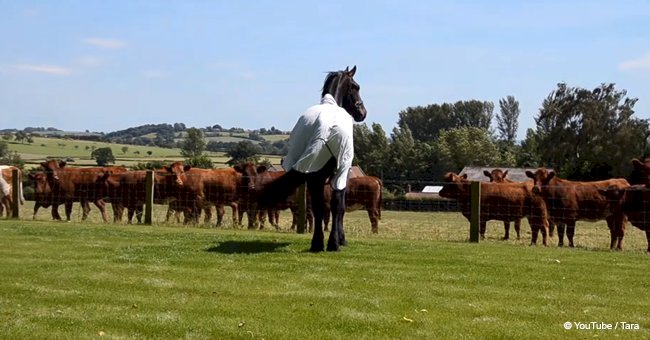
(127, 189)
(499, 176)
(631, 203)
(219, 187)
(6, 188)
(500, 201)
(570, 201)
(363, 192)
(76, 184)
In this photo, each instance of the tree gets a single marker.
(10, 157)
(125, 149)
(507, 119)
(193, 144)
(371, 149)
(244, 151)
(581, 131)
(20, 136)
(7, 136)
(465, 146)
(426, 123)
(149, 153)
(4, 149)
(103, 156)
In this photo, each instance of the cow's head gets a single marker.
(541, 179)
(249, 174)
(496, 175)
(42, 188)
(643, 168)
(52, 168)
(176, 171)
(455, 187)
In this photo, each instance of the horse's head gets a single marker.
(345, 90)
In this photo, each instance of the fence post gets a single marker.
(16, 193)
(475, 206)
(302, 209)
(148, 197)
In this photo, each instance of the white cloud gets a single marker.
(639, 64)
(106, 43)
(49, 69)
(90, 61)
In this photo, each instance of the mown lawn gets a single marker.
(417, 279)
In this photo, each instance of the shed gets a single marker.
(475, 173)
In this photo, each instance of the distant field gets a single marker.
(79, 152)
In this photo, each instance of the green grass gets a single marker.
(417, 278)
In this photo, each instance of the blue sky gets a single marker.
(110, 65)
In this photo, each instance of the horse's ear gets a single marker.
(352, 71)
(347, 69)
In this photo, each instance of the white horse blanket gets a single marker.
(322, 132)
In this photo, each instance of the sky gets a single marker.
(109, 65)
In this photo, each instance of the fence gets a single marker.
(139, 194)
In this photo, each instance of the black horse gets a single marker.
(321, 149)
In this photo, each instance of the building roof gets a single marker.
(475, 173)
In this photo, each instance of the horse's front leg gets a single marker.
(315, 187)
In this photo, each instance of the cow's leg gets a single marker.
(373, 214)
(616, 227)
(55, 212)
(36, 206)
(260, 216)
(101, 205)
(68, 209)
(506, 230)
(551, 229)
(570, 231)
(129, 214)
(560, 234)
(235, 213)
(207, 210)
(118, 211)
(534, 228)
(139, 211)
(518, 228)
(482, 227)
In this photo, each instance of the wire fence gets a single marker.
(227, 198)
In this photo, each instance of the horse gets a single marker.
(321, 150)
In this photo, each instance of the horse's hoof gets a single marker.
(505, 238)
(316, 250)
(333, 248)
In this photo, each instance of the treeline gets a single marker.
(583, 134)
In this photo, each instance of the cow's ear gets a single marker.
(638, 164)
(487, 173)
(505, 173)
(238, 168)
(463, 176)
(530, 174)
(167, 169)
(187, 168)
(449, 177)
(550, 175)
(261, 169)
(44, 165)
(62, 164)
(31, 176)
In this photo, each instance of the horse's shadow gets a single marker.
(247, 247)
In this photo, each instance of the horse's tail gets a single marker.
(279, 189)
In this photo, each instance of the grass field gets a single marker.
(418, 278)
(79, 151)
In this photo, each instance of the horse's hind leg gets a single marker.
(338, 210)
(315, 186)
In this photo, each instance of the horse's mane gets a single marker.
(331, 83)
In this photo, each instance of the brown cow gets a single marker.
(632, 203)
(570, 201)
(6, 188)
(362, 192)
(499, 176)
(127, 189)
(500, 201)
(220, 187)
(76, 184)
